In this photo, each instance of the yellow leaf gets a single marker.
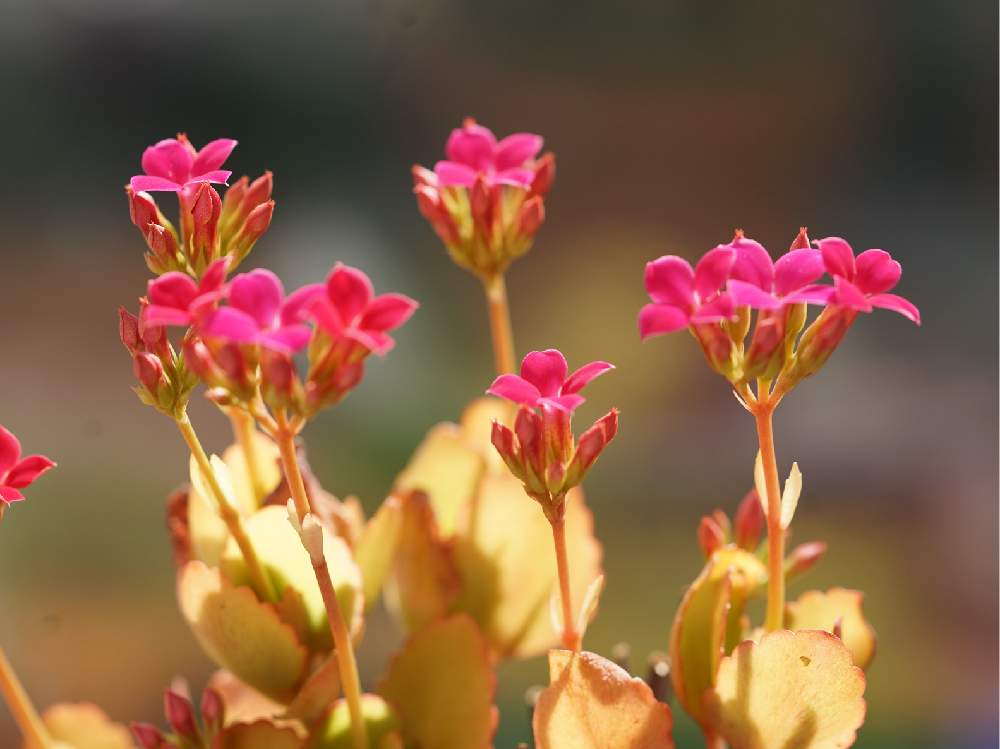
(244, 704)
(817, 610)
(376, 548)
(708, 623)
(790, 495)
(588, 609)
(240, 633)
(442, 687)
(268, 469)
(791, 690)
(477, 428)
(508, 568)
(286, 561)
(85, 726)
(591, 703)
(334, 732)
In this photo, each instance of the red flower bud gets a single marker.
(213, 710)
(531, 216)
(162, 247)
(258, 192)
(234, 197)
(748, 522)
(429, 203)
(148, 736)
(230, 359)
(804, 557)
(481, 204)
(205, 212)
(128, 330)
(179, 714)
(711, 537)
(198, 359)
(545, 175)
(528, 428)
(257, 222)
(503, 440)
(801, 241)
(148, 369)
(142, 209)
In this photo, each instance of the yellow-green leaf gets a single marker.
(85, 726)
(334, 732)
(817, 610)
(240, 633)
(791, 690)
(376, 548)
(441, 687)
(591, 703)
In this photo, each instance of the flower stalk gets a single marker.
(570, 637)
(500, 327)
(25, 715)
(763, 412)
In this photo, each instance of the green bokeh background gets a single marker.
(673, 124)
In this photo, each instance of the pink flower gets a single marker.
(174, 163)
(755, 281)
(175, 299)
(543, 381)
(473, 150)
(16, 472)
(349, 310)
(259, 313)
(861, 283)
(683, 296)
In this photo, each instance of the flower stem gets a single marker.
(35, 734)
(570, 637)
(343, 646)
(245, 433)
(500, 329)
(261, 582)
(775, 534)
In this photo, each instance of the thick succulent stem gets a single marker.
(500, 328)
(775, 534)
(570, 637)
(25, 715)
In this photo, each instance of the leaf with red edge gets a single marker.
(83, 725)
(815, 609)
(591, 703)
(258, 735)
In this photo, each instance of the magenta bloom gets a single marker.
(17, 472)
(174, 163)
(349, 310)
(543, 381)
(175, 299)
(683, 296)
(473, 150)
(259, 313)
(755, 281)
(861, 283)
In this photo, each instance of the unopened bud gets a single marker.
(258, 192)
(232, 362)
(162, 243)
(503, 440)
(128, 329)
(801, 241)
(205, 212)
(179, 714)
(422, 176)
(555, 474)
(198, 359)
(234, 197)
(257, 222)
(142, 209)
(148, 736)
(545, 175)
(213, 710)
(431, 208)
(148, 370)
(312, 538)
(481, 204)
(710, 536)
(803, 558)
(718, 348)
(531, 216)
(748, 522)
(766, 353)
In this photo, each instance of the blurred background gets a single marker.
(673, 124)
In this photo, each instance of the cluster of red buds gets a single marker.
(541, 451)
(486, 201)
(186, 732)
(165, 382)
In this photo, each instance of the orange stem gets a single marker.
(570, 637)
(775, 534)
(35, 734)
(500, 328)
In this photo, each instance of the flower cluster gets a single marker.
(716, 298)
(486, 201)
(541, 451)
(17, 472)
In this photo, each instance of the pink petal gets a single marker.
(10, 451)
(452, 173)
(154, 314)
(515, 177)
(170, 159)
(721, 308)
(231, 324)
(27, 470)
(797, 268)
(9, 495)
(898, 304)
(753, 263)
(515, 149)
(213, 155)
(712, 271)
(812, 294)
(326, 315)
(349, 290)
(173, 289)
(289, 339)
(377, 343)
(387, 312)
(670, 280)
(749, 295)
(515, 389)
(838, 257)
(472, 145)
(257, 293)
(215, 275)
(877, 271)
(846, 294)
(546, 370)
(220, 176)
(575, 382)
(657, 319)
(142, 183)
(568, 403)
(297, 304)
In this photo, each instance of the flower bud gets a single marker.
(198, 359)
(258, 192)
(803, 558)
(503, 440)
(801, 241)
(148, 736)
(711, 537)
(528, 428)
(233, 199)
(257, 222)
(213, 711)
(481, 205)
(590, 445)
(148, 370)
(545, 175)
(530, 217)
(163, 251)
(718, 348)
(205, 213)
(766, 353)
(748, 522)
(429, 203)
(230, 359)
(128, 330)
(818, 343)
(423, 177)
(180, 715)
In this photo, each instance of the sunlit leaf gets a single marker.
(588, 608)
(259, 735)
(244, 704)
(376, 548)
(85, 726)
(441, 687)
(791, 690)
(591, 703)
(240, 633)
(334, 732)
(267, 463)
(708, 623)
(317, 693)
(818, 610)
(790, 496)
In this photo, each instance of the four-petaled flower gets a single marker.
(174, 163)
(175, 298)
(683, 296)
(757, 282)
(473, 150)
(259, 313)
(543, 381)
(861, 283)
(17, 472)
(349, 310)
